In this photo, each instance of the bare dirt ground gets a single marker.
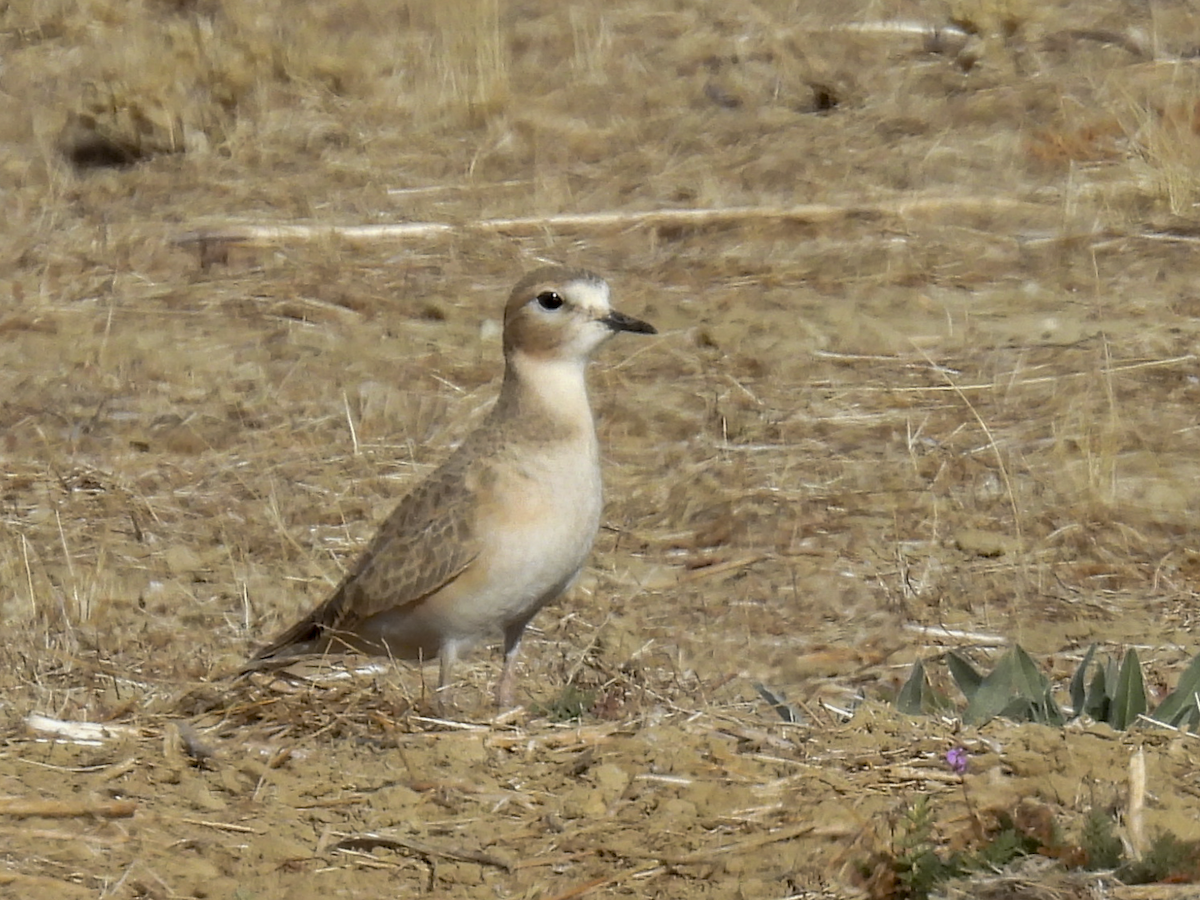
(959, 391)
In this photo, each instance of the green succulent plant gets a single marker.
(1106, 691)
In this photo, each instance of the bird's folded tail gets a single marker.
(316, 633)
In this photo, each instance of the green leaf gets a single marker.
(964, 674)
(1180, 708)
(1019, 709)
(1030, 681)
(1079, 682)
(1042, 710)
(1015, 689)
(1048, 712)
(993, 696)
(1098, 703)
(1129, 697)
(913, 696)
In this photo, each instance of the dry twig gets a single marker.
(57, 809)
(207, 239)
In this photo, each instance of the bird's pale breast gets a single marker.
(543, 520)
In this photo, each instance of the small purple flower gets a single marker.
(958, 759)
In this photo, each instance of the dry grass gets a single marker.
(964, 397)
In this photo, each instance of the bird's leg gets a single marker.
(506, 686)
(447, 657)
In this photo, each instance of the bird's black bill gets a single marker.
(621, 322)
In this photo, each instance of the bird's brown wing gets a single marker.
(427, 542)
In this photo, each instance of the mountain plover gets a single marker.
(505, 524)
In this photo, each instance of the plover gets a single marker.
(506, 523)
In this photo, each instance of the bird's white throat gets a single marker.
(555, 387)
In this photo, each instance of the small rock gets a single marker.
(611, 781)
(978, 542)
(181, 560)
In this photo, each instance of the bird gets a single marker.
(506, 523)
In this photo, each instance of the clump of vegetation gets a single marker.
(1114, 693)
(570, 706)
(1102, 848)
(914, 859)
(915, 863)
(1168, 859)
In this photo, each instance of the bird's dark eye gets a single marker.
(549, 300)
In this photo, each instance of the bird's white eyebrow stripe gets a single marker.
(592, 296)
